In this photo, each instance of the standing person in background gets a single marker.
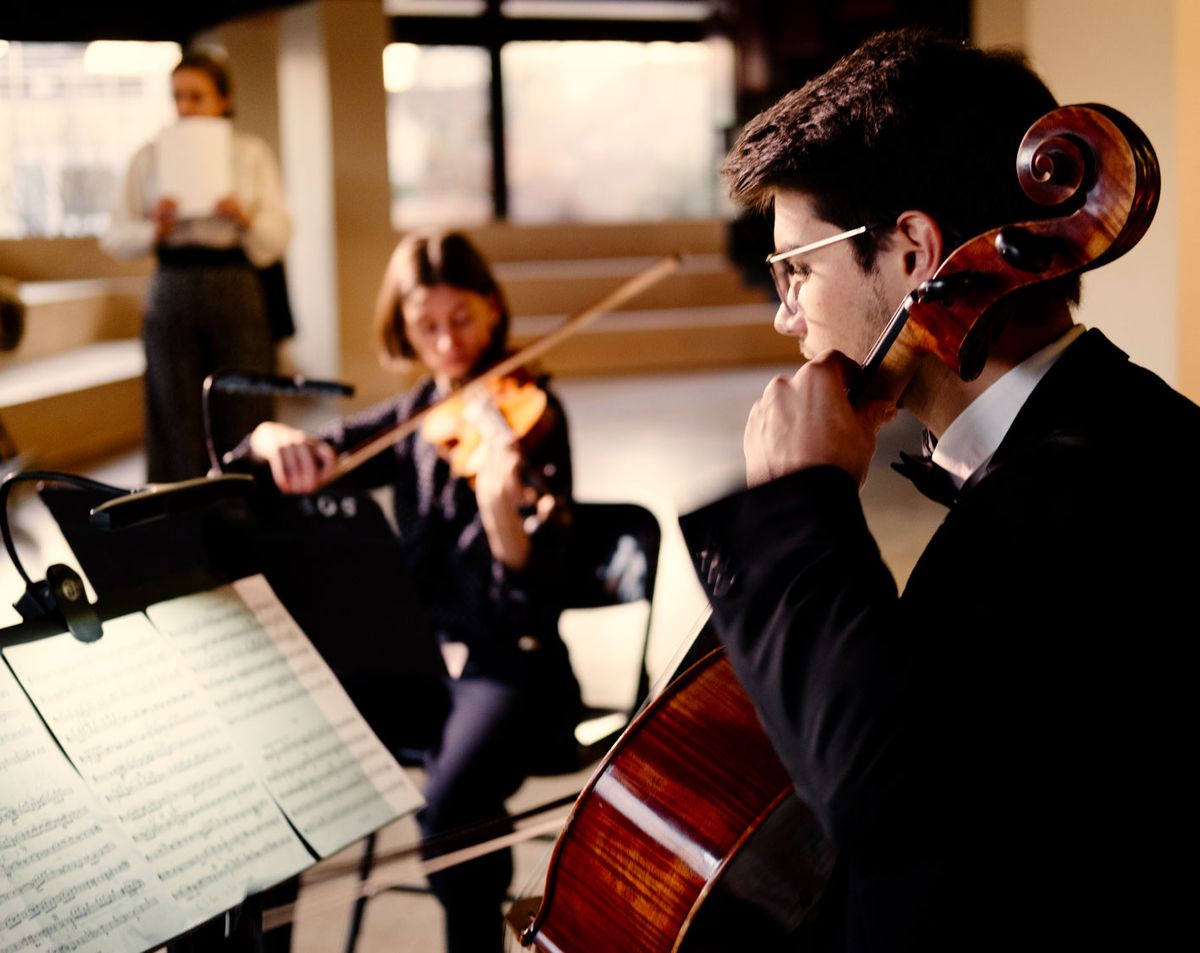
(205, 308)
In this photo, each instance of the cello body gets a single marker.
(689, 837)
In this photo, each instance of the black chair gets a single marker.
(612, 561)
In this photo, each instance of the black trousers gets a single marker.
(471, 773)
(200, 319)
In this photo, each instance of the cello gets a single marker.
(690, 835)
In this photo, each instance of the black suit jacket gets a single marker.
(1001, 753)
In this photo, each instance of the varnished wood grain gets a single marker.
(661, 821)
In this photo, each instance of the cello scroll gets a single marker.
(1088, 163)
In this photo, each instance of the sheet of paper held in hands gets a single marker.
(182, 737)
(194, 160)
(70, 877)
(329, 772)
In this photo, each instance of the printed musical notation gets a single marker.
(143, 734)
(331, 775)
(70, 877)
(191, 730)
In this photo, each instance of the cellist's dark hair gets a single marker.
(425, 259)
(911, 119)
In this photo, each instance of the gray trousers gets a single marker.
(200, 319)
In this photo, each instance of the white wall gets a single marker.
(305, 130)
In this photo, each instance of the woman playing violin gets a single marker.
(482, 549)
(1000, 752)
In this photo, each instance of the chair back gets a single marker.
(612, 560)
(613, 557)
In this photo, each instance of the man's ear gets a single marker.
(919, 244)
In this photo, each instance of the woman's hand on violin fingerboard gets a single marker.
(808, 421)
(298, 461)
(500, 493)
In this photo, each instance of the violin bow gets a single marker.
(625, 291)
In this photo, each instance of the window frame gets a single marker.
(491, 29)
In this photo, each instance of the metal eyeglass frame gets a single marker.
(783, 281)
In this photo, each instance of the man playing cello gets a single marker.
(998, 752)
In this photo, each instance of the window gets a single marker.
(544, 111)
(614, 130)
(439, 146)
(71, 115)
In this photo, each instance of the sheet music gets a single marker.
(333, 777)
(194, 159)
(70, 878)
(145, 737)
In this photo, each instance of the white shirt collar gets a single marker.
(974, 435)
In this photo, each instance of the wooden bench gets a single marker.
(72, 389)
(703, 315)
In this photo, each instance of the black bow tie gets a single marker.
(927, 476)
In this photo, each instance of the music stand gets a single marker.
(332, 560)
(346, 588)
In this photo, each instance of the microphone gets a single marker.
(254, 383)
(274, 385)
(158, 500)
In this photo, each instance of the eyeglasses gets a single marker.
(787, 279)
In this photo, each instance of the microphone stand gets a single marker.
(261, 385)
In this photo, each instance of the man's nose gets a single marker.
(787, 323)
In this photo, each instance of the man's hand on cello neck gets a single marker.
(807, 421)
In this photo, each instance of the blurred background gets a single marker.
(568, 136)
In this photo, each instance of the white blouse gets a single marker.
(257, 186)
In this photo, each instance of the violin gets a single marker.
(470, 394)
(690, 836)
(461, 428)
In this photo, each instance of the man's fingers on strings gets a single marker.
(290, 466)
